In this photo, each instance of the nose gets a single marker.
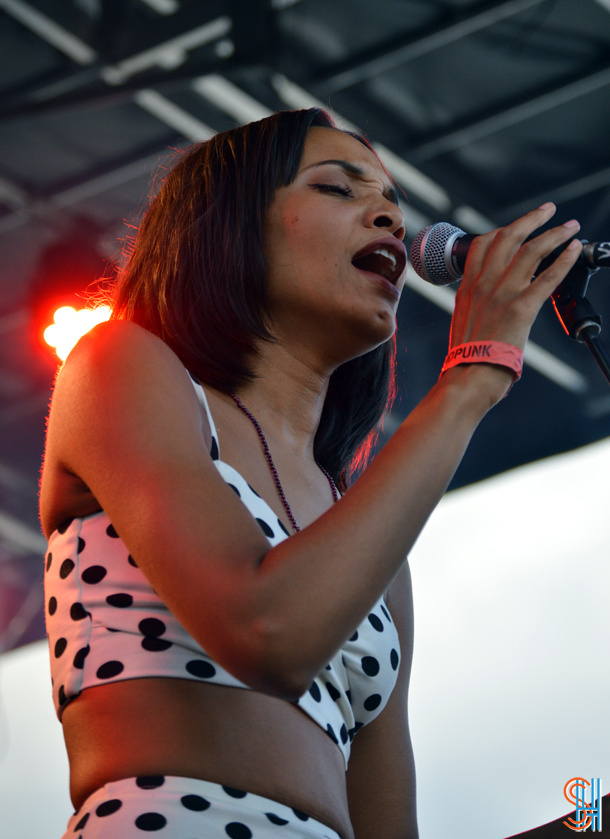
(389, 217)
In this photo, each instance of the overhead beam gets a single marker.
(16, 482)
(231, 99)
(21, 535)
(453, 139)
(50, 31)
(16, 629)
(184, 123)
(12, 194)
(168, 54)
(562, 194)
(154, 65)
(81, 192)
(389, 56)
(163, 7)
(177, 118)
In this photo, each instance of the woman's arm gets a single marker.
(381, 773)
(125, 421)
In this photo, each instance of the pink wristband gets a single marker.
(488, 352)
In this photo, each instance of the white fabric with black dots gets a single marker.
(184, 808)
(106, 624)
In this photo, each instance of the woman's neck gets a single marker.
(287, 395)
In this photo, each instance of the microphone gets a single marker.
(439, 251)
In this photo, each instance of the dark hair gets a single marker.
(196, 277)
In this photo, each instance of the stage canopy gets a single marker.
(480, 111)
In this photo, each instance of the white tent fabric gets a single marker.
(510, 683)
(34, 800)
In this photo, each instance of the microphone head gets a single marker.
(431, 255)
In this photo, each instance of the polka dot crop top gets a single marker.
(106, 624)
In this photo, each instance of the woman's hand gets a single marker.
(497, 299)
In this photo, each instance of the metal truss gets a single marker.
(172, 53)
(390, 55)
(507, 117)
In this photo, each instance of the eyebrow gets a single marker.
(351, 169)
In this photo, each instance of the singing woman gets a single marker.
(229, 616)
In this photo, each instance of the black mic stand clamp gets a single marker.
(577, 316)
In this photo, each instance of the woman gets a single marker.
(212, 674)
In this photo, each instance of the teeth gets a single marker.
(388, 255)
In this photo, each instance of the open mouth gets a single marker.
(386, 258)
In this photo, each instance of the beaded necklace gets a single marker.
(273, 470)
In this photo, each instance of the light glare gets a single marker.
(70, 325)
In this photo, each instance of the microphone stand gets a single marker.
(577, 316)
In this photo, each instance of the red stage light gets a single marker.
(66, 276)
(70, 325)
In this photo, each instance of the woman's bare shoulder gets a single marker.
(117, 347)
(121, 397)
(118, 385)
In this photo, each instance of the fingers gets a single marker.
(547, 281)
(502, 244)
(510, 240)
(531, 253)
(497, 298)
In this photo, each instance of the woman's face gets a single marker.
(333, 248)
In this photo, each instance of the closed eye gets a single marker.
(336, 188)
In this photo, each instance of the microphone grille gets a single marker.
(428, 252)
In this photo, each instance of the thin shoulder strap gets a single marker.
(203, 400)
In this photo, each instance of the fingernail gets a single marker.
(575, 243)
(546, 206)
(571, 224)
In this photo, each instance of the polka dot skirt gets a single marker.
(106, 623)
(186, 808)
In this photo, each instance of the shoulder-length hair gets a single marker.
(196, 278)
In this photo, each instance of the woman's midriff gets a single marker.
(231, 736)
